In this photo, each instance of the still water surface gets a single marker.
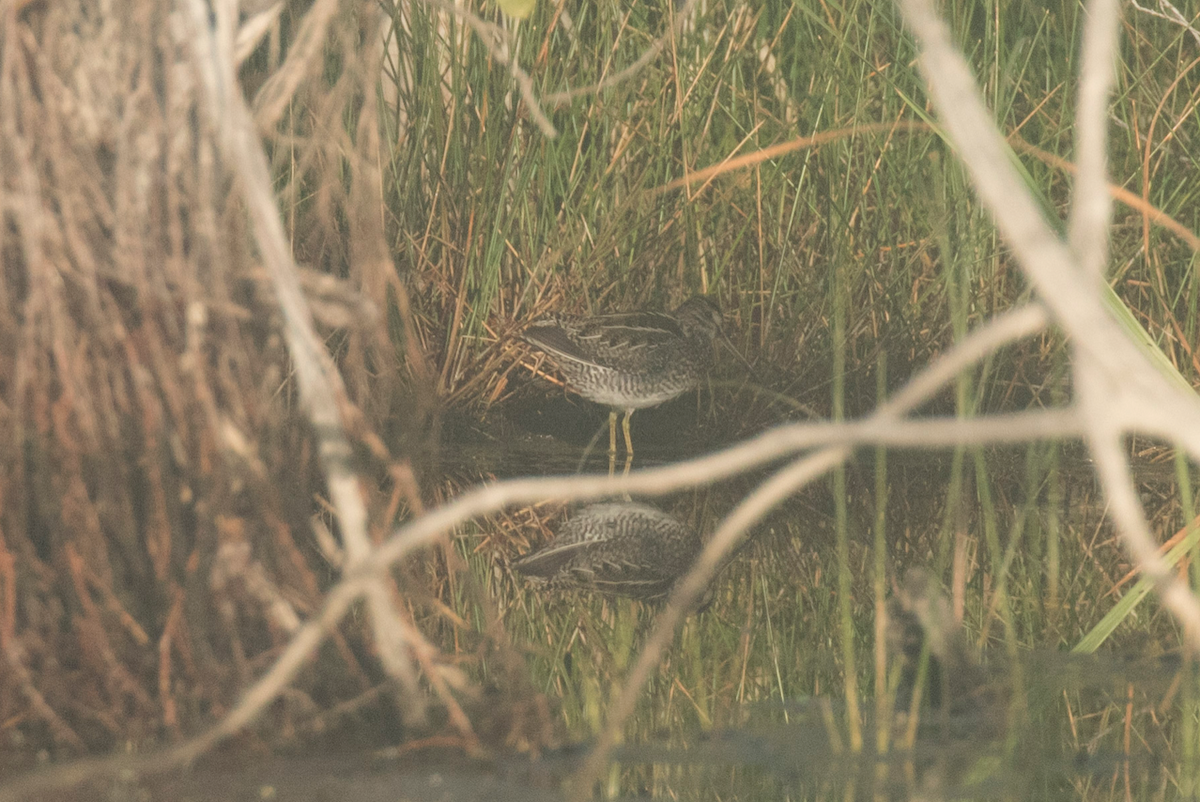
(751, 702)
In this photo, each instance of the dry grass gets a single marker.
(158, 480)
(162, 532)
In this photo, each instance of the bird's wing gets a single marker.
(548, 560)
(627, 578)
(557, 342)
(607, 341)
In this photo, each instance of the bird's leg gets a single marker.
(628, 439)
(612, 433)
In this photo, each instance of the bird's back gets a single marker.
(623, 549)
(635, 342)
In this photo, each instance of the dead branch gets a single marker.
(885, 427)
(1091, 204)
(1120, 389)
(977, 345)
(319, 382)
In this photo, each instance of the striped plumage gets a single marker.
(616, 548)
(633, 360)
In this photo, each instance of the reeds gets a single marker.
(158, 480)
(160, 466)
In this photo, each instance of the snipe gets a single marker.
(618, 548)
(633, 360)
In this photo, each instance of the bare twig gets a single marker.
(255, 28)
(304, 56)
(61, 731)
(1171, 14)
(1105, 442)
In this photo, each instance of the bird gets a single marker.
(615, 548)
(633, 360)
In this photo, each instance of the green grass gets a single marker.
(493, 222)
(831, 261)
(774, 636)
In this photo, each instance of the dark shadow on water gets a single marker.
(550, 435)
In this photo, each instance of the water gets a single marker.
(1023, 740)
(751, 700)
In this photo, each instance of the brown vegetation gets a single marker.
(167, 522)
(157, 476)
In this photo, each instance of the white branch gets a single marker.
(1118, 386)
(1091, 204)
(766, 448)
(1171, 14)
(1112, 466)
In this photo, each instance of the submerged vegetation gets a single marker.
(780, 159)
